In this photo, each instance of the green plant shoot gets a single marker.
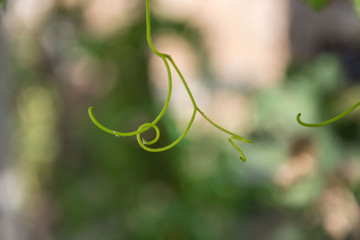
(167, 59)
(328, 121)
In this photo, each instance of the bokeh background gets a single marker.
(252, 67)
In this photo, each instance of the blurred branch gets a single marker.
(318, 4)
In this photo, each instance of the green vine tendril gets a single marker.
(328, 121)
(146, 126)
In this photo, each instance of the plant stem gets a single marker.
(328, 121)
(146, 126)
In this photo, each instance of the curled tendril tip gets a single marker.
(167, 60)
(328, 121)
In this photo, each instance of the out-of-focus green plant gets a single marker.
(3, 3)
(320, 4)
(146, 126)
(357, 6)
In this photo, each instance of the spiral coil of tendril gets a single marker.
(328, 121)
(146, 126)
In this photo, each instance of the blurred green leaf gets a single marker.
(357, 6)
(318, 4)
(2, 3)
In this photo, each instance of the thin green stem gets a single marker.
(146, 126)
(167, 101)
(157, 119)
(328, 121)
(148, 30)
(235, 136)
(113, 132)
(242, 157)
(142, 144)
(183, 81)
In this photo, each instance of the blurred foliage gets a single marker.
(357, 6)
(113, 190)
(2, 3)
(318, 4)
(321, 4)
